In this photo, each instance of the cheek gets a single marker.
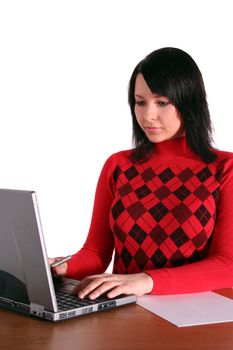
(179, 121)
(177, 124)
(173, 121)
(138, 116)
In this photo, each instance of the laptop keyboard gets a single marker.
(67, 301)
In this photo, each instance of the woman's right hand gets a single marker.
(59, 270)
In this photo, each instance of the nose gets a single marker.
(151, 113)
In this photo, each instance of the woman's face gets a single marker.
(156, 115)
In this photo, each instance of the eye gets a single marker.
(162, 103)
(140, 103)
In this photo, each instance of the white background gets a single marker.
(64, 72)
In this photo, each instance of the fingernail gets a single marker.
(81, 295)
(93, 296)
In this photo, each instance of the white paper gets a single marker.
(189, 309)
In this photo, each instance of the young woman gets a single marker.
(164, 208)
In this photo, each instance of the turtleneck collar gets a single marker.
(172, 147)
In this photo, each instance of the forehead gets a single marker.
(141, 88)
(140, 83)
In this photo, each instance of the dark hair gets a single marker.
(173, 73)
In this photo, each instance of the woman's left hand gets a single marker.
(113, 285)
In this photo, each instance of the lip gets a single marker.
(153, 128)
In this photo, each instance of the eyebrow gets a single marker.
(155, 95)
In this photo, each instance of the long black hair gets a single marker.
(173, 73)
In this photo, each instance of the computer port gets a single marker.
(107, 305)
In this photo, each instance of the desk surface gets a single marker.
(129, 327)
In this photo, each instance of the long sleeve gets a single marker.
(216, 270)
(96, 253)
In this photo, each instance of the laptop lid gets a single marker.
(25, 274)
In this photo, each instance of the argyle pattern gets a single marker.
(163, 214)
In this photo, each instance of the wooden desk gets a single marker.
(129, 327)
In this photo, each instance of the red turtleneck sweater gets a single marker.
(171, 217)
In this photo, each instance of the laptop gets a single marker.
(26, 282)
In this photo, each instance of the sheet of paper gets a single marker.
(189, 309)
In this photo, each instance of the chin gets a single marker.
(161, 138)
(158, 138)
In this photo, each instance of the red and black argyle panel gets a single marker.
(162, 215)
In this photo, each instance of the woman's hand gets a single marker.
(59, 270)
(113, 285)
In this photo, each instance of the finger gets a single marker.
(59, 270)
(91, 285)
(118, 290)
(87, 280)
(81, 285)
(94, 284)
(102, 289)
(51, 260)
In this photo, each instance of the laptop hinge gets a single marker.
(37, 310)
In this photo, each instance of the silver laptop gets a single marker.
(26, 281)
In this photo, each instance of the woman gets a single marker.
(163, 207)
